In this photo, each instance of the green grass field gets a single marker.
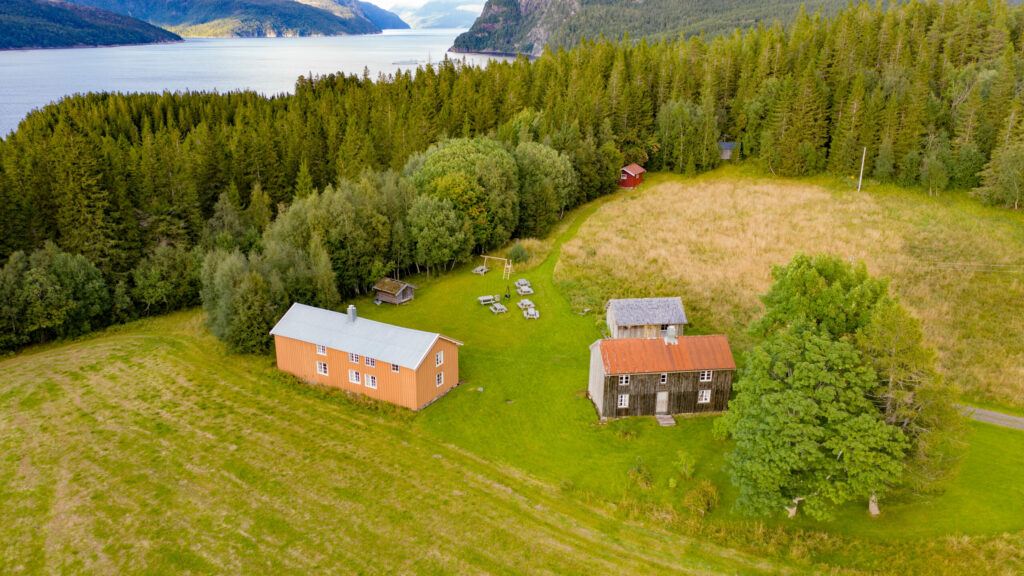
(148, 449)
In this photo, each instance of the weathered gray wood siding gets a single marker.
(682, 388)
(595, 388)
(404, 295)
(646, 331)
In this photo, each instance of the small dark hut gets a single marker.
(727, 149)
(394, 291)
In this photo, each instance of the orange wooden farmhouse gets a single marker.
(407, 367)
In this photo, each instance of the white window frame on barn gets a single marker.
(439, 379)
(439, 358)
(705, 375)
(353, 357)
(354, 376)
(321, 350)
(371, 381)
(623, 379)
(321, 368)
(664, 378)
(623, 401)
(704, 396)
(396, 368)
(371, 362)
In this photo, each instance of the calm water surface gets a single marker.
(31, 79)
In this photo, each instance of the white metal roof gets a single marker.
(385, 342)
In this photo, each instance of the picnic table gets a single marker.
(524, 290)
(481, 270)
(524, 304)
(522, 282)
(498, 308)
(531, 314)
(488, 300)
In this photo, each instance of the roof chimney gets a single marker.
(670, 335)
(351, 313)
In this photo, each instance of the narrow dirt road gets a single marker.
(992, 417)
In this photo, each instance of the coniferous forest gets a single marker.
(124, 205)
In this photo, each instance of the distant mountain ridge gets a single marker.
(256, 18)
(54, 24)
(441, 13)
(526, 26)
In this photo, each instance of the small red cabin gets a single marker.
(631, 176)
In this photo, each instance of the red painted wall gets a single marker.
(627, 180)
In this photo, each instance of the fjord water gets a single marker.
(31, 79)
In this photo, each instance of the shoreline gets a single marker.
(82, 46)
(455, 50)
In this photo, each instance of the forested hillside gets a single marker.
(527, 26)
(147, 186)
(52, 24)
(249, 18)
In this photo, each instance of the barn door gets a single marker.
(661, 405)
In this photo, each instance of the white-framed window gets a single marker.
(371, 362)
(321, 368)
(354, 358)
(353, 376)
(705, 375)
(623, 400)
(622, 176)
(624, 380)
(371, 381)
(321, 350)
(664, 379)
(396, 368)
(439, 358)
(440, 379)
(703, 396)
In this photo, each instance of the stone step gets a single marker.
(665, 420)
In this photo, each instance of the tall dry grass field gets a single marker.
(714, 240)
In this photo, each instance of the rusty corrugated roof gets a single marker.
(645, 355)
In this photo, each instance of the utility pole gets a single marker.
(863, 156)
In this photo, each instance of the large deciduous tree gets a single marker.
(807, 434)
(839, 399)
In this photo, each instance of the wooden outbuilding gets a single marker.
(394, 291)
(631, 176)
(728, 148)
(653, 376)
(644, 317)
(407, 367)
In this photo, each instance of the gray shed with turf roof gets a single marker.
(394, 291)
(644, 317)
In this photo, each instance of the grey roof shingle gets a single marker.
(644, 311)
(385, 342)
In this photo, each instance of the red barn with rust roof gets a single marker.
(631, 176)
(652, 376)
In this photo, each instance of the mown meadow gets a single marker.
(714, 239)
(149, 449)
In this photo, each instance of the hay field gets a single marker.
(714, 239)
(149, 450)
